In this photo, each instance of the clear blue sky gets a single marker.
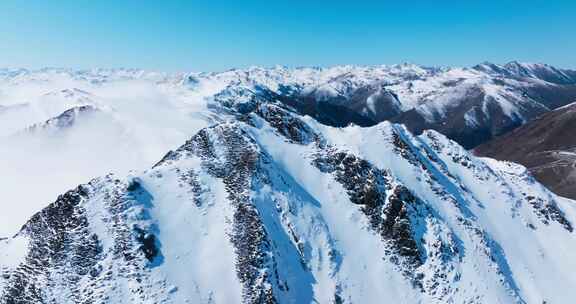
(217, 35)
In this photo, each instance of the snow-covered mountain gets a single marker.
(266, 205)
(469, 105)
(136, 115)
(481, 101)
(268, 195)
(58, 129)
(546, 146)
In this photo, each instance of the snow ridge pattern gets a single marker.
(266, 205)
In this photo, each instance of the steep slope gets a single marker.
(472, 106)
(469, 105)
(68, 136)
(546, 146)
(272, 207)
(142, 114)
(21, 113)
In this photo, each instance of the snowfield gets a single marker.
(222, 191)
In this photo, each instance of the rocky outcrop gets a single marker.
(269, 206)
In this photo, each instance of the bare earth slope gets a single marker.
(546, 146)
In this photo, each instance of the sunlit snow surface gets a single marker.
(480, 238)
(133, 122)
(484, 231)
(138, 117)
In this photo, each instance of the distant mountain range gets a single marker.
(348, 184)
(469, 105)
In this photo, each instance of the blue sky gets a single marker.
(217, 35)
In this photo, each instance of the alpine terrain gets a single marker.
(546, 146)
(309, 185)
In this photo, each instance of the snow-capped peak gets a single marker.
(269, 206)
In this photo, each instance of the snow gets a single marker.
(360, 272)
(136, 123)
(143, 114)
(12, 253)
(573, 104)
(196, 252)
(503, 250)
(521, 267)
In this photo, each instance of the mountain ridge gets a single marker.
(143, 114)
(280, 186)
(545, 145)
(278, 208)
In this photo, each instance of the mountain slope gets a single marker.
(546, 146)
(472, 106)
(469, 105)
(273, 207)
(64, 136)
(142, 114)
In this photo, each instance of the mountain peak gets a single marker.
(64, 120)
(280, 186)
(284, 210)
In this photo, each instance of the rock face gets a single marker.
(546, 146)
(65, 120)
(268, 206)
(469, 105)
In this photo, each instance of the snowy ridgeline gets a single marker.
(269, 206)
(90, 123)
